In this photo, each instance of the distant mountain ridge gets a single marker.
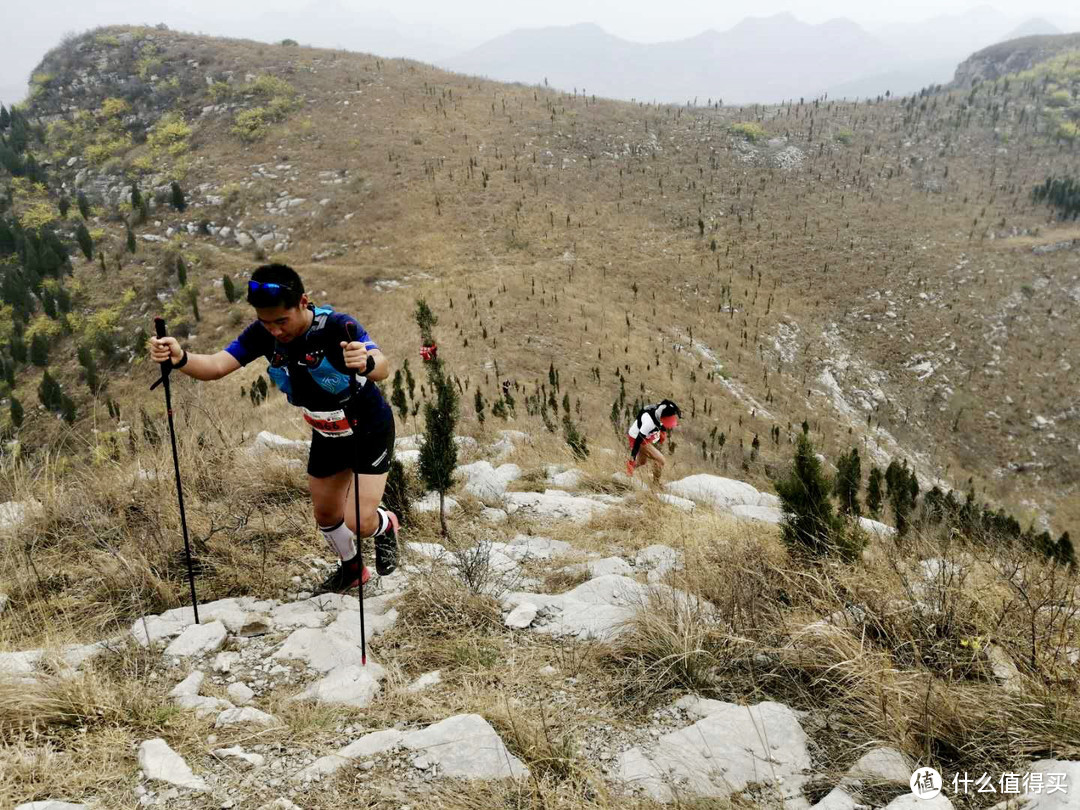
(760, 59)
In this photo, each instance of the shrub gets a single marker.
(750, 130)
(250, 125)
(809, 524)
(170, 135)
(290, 42)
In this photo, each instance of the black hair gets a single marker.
(292, 287)
(670, 408)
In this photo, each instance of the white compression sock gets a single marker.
(384, 522)
(340, 539)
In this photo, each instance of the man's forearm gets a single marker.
(202, 367)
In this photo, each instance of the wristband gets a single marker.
(370, 365)
(183, 361)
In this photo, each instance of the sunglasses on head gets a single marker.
(269, 287)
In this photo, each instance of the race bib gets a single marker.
(328, 423)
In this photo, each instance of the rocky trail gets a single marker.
(249, 660)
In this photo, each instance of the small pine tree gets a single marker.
(438, 452)
(83, 204)
(193, 299)
(131, 241)
(67, 409)
(397, 398)
(49, 392)
(230, 288)
(39, 350)
(86, 243)
(809, 524)
(177, 198)
(17, 417)
(136, 197)
(427, 321)
(575, 439)
(181, 271)
(848, 482)
(1064, 552)
(874, 495)
(64, 205)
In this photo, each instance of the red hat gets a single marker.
(669, 421)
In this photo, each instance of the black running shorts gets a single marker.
(367, 451)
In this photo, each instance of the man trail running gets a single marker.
(649, 429)
(312, 352)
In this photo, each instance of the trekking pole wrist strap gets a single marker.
(183, 361)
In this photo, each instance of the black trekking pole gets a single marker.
(166, 367)
(354, 386)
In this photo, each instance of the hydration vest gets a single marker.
(318, 365)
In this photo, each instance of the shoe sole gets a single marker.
(364, 577)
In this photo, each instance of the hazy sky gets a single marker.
(29, 31)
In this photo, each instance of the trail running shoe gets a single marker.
(386, 547)
(347, 576)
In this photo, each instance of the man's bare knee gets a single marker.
(325, 516)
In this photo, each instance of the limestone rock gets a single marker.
(51, 804)
(266, 440)
(684, 504)
(246, 716)
(425, 681)
(237, 753)
(160, 763)
(466, 747)
(1004, 669)
(881, 765)
(430, 503)
(554, 504)
(348, 685)
(521, 617)
(761, 514)
(198, 639)
(486, 482)
(720, 493)
(721, 754)
(240, 693)
(463, 747)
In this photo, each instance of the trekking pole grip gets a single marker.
(166, 365)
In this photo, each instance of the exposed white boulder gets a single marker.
(684, 504)
(198, 639)
(521, 617)
(461, 747)
(348, 685)
(722, 754)
(554, 504)
(486, 482)
(245, 716)
(160, 763)
(236, 753)
(240, 693)
(719, 492)
(760, 514)
(265, 440)
(430, 503)
(425, 681)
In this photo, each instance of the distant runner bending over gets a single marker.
(650, 428)
(312, 352)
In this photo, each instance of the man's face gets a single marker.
(284, 323)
